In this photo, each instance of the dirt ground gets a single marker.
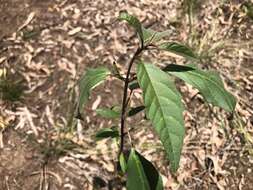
(46, 45)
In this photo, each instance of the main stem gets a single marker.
(124, 102)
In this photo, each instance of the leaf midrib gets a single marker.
(159, 107)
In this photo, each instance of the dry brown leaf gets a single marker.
(28, 20)
(74, 31)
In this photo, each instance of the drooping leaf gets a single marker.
(164, 109)
(134, 111)
(150, 35)
(141, 174)
(178, 49)
(108, 113)
(91, 79)
(107, 133)
(134, 22)
(208, 83)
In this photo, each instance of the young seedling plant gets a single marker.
(162, 102)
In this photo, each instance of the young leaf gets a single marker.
(123, 163)
(134, 22)
(150, 35)
(108, 113)
(141, 174)
(107, 133)
(133, 85)
(90, 80)
(134, 111)
(164, 109)
(208, 83)
(178, 49)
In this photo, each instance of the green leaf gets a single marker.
(108, 113)
(107, 133)
(141, 174)
(133, 85)
(134, 111)
(208, 83)
(91, 79)
(150, 35)
(164, 109)
(178, 49)
(134, 22)
(123, 163)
